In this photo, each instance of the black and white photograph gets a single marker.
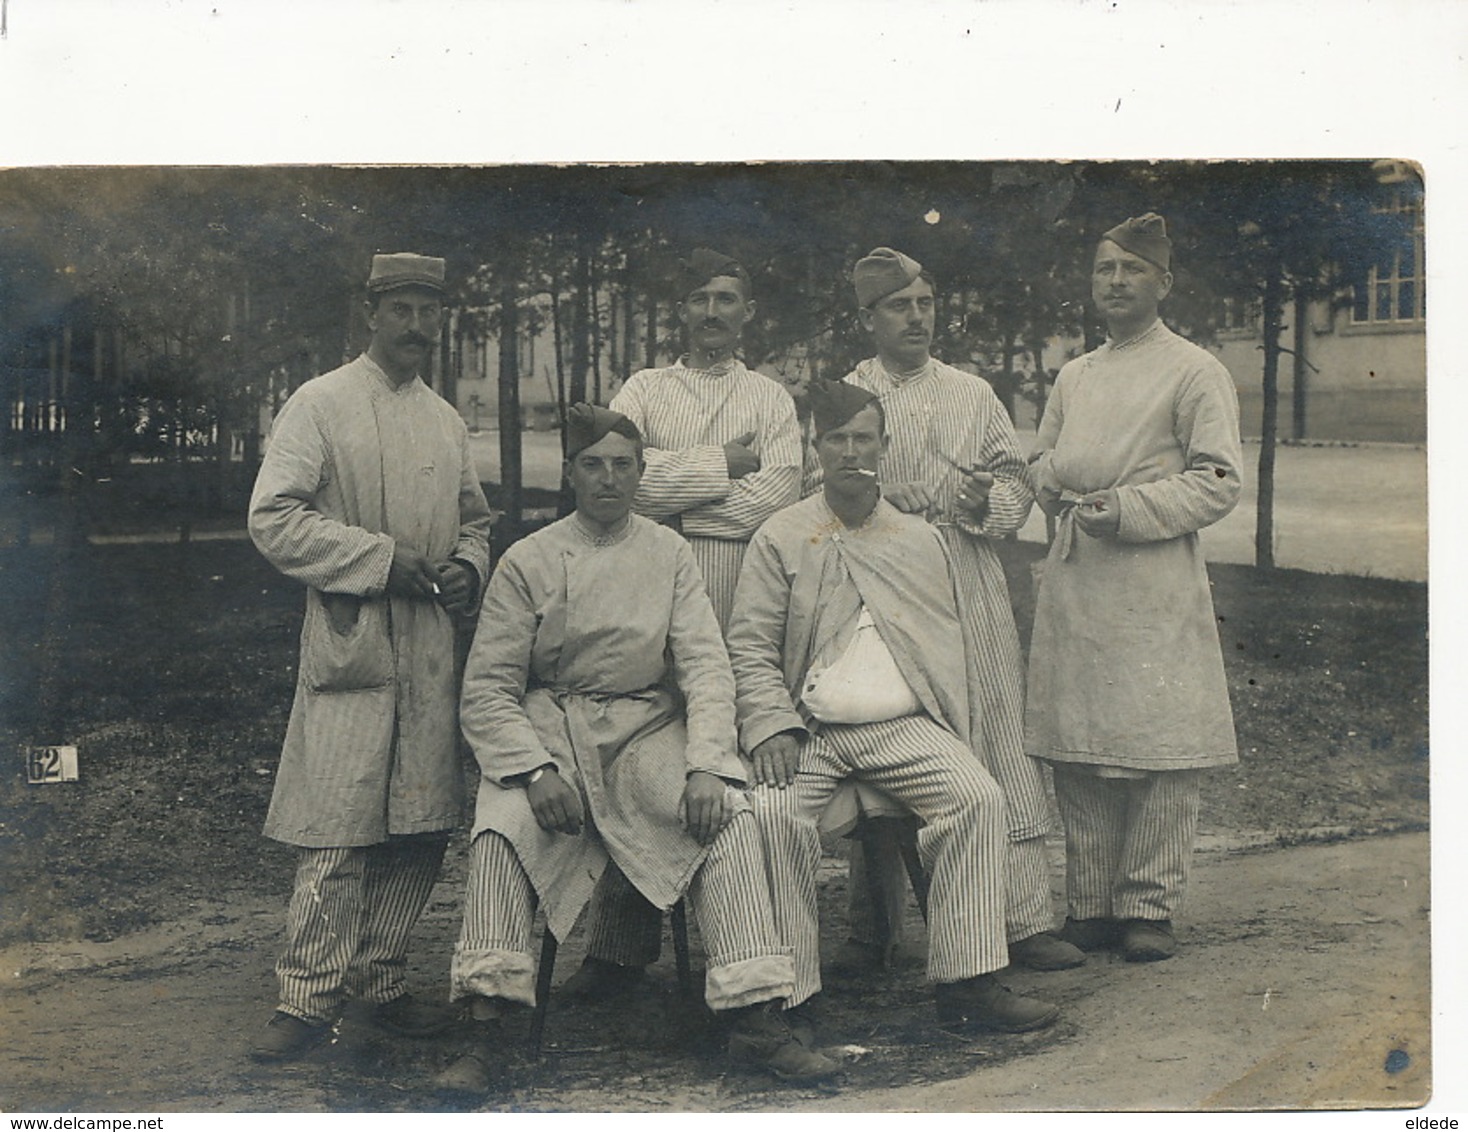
(530, 584)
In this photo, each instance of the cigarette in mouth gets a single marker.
(436, 590)
(865, 472)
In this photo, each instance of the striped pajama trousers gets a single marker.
(719, 561)
(1026, 899)
(728, 896)
(348, 923)
(961, 842)
(1128, 841)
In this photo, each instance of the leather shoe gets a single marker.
(407, 1017)
(1045, 951)
(600, 980)
(1147, 941)
(480, 1067)
(287, 1037)
(984, 1003)
(1100, 934)
(763, 1036)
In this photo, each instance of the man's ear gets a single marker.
(1166, 285)
(749, 308)
(681, 309)
(864, 317)
(369, 309)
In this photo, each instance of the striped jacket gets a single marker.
(936, 419)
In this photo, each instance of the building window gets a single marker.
(1240, 316)
(1394, 290)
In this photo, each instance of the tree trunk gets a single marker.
(595, 344)
(450, 351)
(629, 332)
(1006, 375)
(511, 480)
(580, 328)
(1273, 317)
(1300, 368)
(558, 334)
(651, 357)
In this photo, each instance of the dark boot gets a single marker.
(409, 1017)
(1045, 951)
(986, 1004)
(1100, 934)
(287, 1037)
(761, 1035)
(481, 1065)
(600, 980)
(1147, 941)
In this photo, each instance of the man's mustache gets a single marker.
(412, 338)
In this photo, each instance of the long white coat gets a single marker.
(354, 467)
(1125, 664)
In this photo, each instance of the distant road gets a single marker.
(1338, 510)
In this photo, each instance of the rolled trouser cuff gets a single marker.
(745, 982)
(492, 973)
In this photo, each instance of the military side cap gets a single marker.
(833, 403)
(881, 272)
(1144, 236)
(705, 264)
(587, 424)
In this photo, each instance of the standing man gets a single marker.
(600, 706)
(723, 455)
(368, 495)
(1138, 451)
(723, 444)
(954, 457)
(850, 661)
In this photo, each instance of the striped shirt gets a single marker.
(938, 418)
(686, 417)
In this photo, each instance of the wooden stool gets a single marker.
(545, 970)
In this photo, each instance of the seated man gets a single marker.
(850, 660)
(599, 703)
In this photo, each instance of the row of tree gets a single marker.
(154, 311)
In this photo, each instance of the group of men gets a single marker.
(669, 689)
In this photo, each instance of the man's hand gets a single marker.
(1098, 513)
(740, 458)
(914, 498)
(412, 575)
(456, 587)
(776, 760)
(705, 808)
(973, 495)
(555, 803)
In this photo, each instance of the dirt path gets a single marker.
(1303, 977)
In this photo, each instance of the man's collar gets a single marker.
(1114, 344)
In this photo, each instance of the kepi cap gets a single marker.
(405, 269)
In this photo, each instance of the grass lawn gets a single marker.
(171, 668)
